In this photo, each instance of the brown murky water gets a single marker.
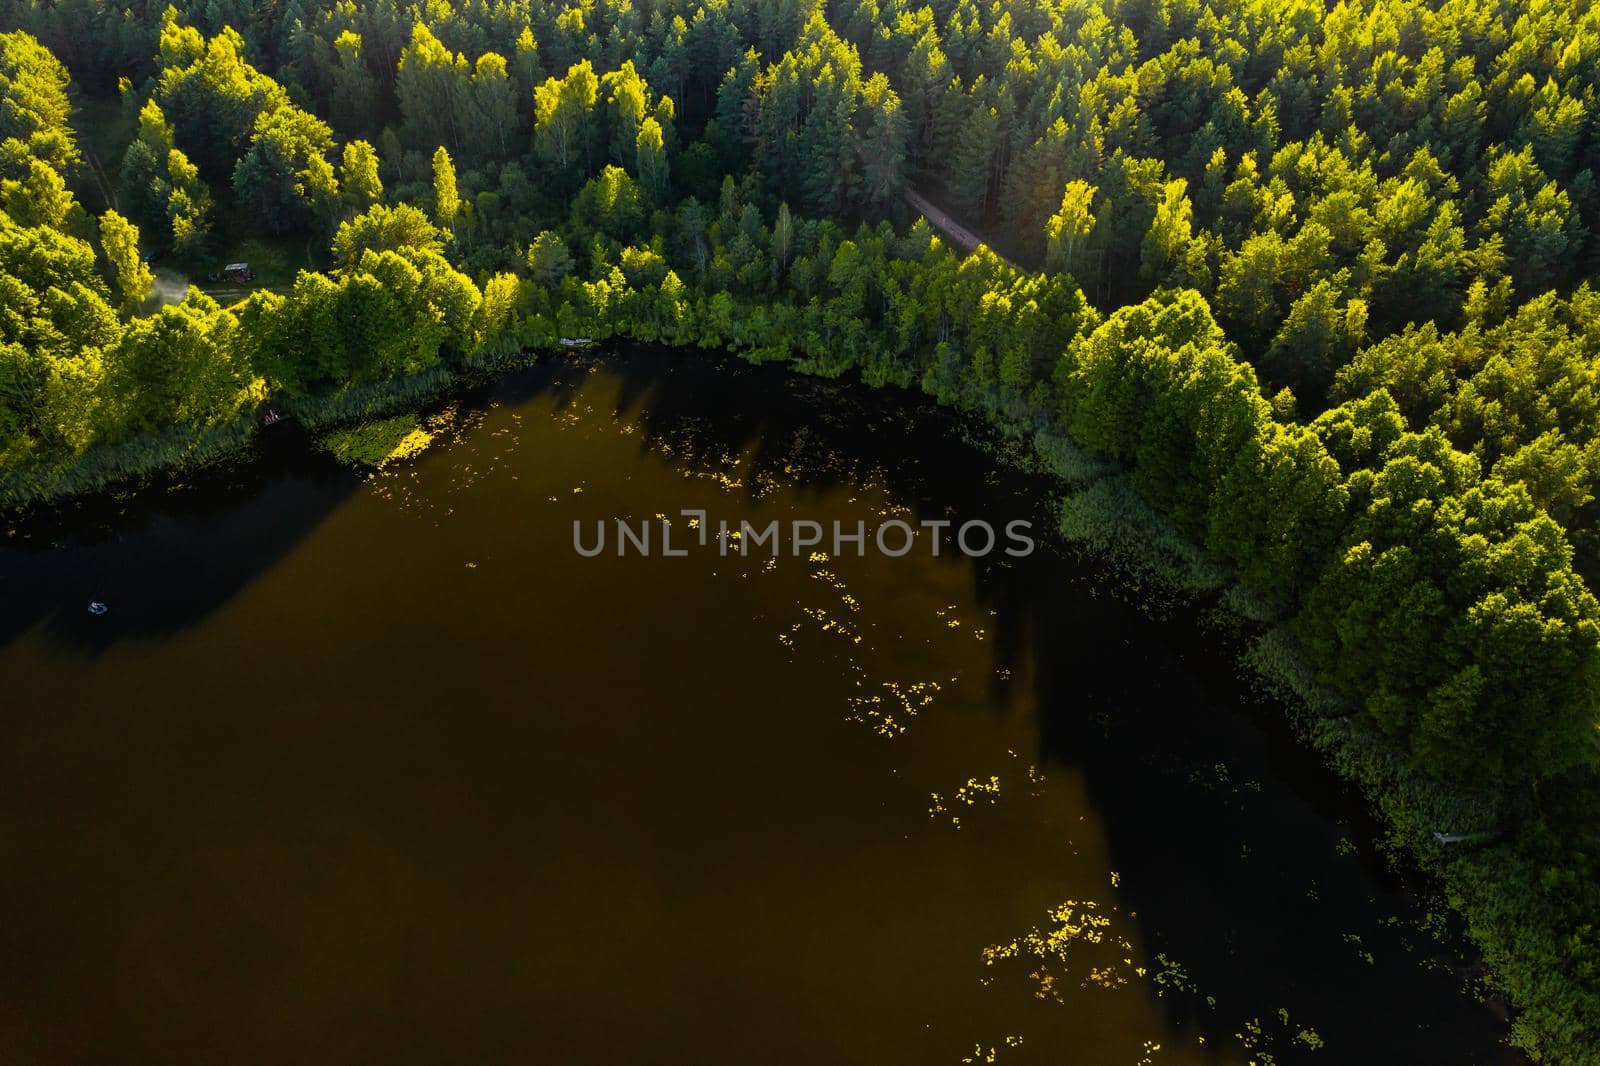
(380, 770)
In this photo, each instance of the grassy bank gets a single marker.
(179, 451)
(126, 464)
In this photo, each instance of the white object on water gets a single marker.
(96, 607)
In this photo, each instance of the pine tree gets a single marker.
(359, 176)
(446, 201)
(1069, 227)
(650, 153)
(355, 91)
(882, 144)
(119, 240)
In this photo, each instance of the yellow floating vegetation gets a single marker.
(975, 790)
(1080, 937)
(409, 446)
(991, 1054)
(887, 714)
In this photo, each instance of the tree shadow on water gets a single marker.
(1239, 851)
(166, 556)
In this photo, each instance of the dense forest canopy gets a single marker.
(1317, 276)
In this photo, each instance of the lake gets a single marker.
(377, 768)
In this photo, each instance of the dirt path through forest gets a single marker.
(959, 235)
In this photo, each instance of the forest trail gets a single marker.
(99, 175)
(959, 235)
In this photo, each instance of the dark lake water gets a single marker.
(378, 770)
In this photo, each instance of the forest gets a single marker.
(1317, 276)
